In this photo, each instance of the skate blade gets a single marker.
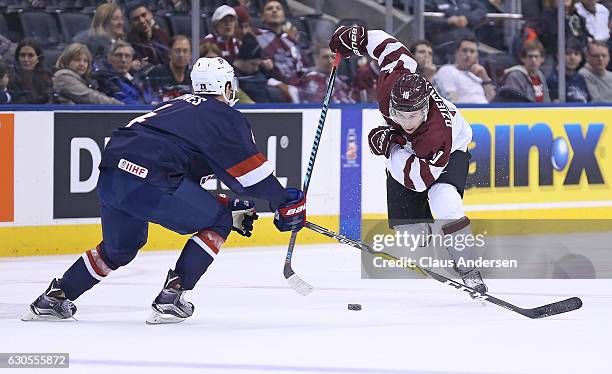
(160, 319)
(30, 316)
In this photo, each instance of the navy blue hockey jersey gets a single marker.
(192, 136)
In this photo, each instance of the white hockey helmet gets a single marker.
(210, 75)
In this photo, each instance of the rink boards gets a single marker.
(527, 162)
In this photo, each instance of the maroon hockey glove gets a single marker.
(243, 214)
(349, 41)
(291, 216)
(381, 138)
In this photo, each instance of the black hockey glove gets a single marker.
(381, 138)
(243, 214)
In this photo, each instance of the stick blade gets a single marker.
(559, 307)
(299, 285)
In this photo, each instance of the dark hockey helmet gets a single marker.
(410, 93)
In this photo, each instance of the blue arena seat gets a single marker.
(41, 26)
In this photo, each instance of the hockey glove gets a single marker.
(381, 138)
(291, 216)
(243, 214)
(349, 41)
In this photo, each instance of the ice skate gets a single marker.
(169, 306)
(473, 279)
(52, 305)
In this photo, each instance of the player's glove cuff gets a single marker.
(291, 216)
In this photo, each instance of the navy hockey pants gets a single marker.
(127, 204)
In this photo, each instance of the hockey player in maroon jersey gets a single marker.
(425, 141)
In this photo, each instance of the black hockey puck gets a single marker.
(354, 306)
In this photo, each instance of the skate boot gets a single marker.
(472, 279)
(52, 305)
(169, 306)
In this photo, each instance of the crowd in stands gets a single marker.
(140, 52)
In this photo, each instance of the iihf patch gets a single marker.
(132, 168)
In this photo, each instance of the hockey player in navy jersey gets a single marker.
(151, 171)
(425, 141)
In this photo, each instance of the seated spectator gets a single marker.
(422, 52)
(116, 81)
(224, 29)
(575, 27)
(364, 81)
(247, 67)
(71, 82)
(175, 5)
(106, 28)
(211, 50)
(598, 79)
(7, 49)
(576, 89)
(465, 81)
(149, 41)
(173, 79)
(460, 19)
(5, 96)
(313, 85)
(30, 82)
(277, 45)
(244, 22)
(527, 78)
(596, 17)
(491, 30)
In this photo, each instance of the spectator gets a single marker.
(465, 81)
(173, 79)
(491, 31)
(527, 78)
(7, 49)
(224, 29)
(209, 49)
(596, 17)
(71, 82)
(30, 82)
(175, 5)
(364, 81)
(149, 41)
(106, 28)
(244, 22)
(314, 84)
(610, 42)
(248, 71)
(460, 19)
(576, 89)
(117, 81)
(422, 51)
(575, 27)
(5, 97)
(277, 46)
(598, 79)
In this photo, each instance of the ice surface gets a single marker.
(248, 320)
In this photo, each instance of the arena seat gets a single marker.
(73, 22)
(41, 26)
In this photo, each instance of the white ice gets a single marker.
(247, 320)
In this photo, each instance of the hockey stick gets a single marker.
(297, 283)
(547, 310)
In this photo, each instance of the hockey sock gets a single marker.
(197, 255)
(85, 273)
